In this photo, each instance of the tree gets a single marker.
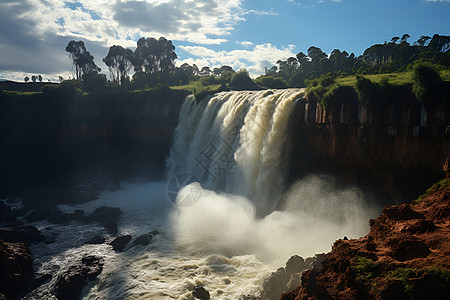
(40, 78)
(404, 38)
(119, 62)
(422, 40)
(205, 71)
(153, 55)
(82, 59)
(395, 39)
(26, 79)
(34, 78)
(316, 54)
(439, 43)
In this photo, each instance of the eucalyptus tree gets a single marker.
(82, 59)
(119, 61)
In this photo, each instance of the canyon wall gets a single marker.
(396, 150)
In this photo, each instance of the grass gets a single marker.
(404, 78)
(20, 93)
(444, 183)
(198, 89)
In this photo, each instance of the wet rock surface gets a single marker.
(201, 293)
(68, 286)
(120, 242)
(16, 271)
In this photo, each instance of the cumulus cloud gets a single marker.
(254, 60)
(34, 33)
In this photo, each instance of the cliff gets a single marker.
(405, 256)
(395, 149)
(59, 133)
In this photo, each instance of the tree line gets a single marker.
(153, 63)
(393, 56)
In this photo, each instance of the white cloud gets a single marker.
(254, 60)
(245, 43)
(438, 0)
(34, 33)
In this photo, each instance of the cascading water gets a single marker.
(237, 142)
(230, 237)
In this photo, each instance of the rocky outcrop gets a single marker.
(405, 256)
(287, 278)
(120, 242)
(23, 234)
(107, 216)
(201, 293)
(16, 271)
(68, 286)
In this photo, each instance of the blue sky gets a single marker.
(250, 34)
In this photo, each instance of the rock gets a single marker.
(105, 214)
(111, 227)
(68, 286)
(40, 214)
(408, 247)
(295, 264)
(96, 240)
(120, 242)
(60, 218)
(16, 271)
(293, 282)
(200, 293)
(23, 234)
(274, 285)
(144, 239)
(78, 214)
(402, 212)
(154, 232)
(37, 282)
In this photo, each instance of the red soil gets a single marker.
(408, 239)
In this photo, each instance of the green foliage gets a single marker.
(405, 275)
(208, 80)
(242, 81)
(67, 88)
(426, 82)
(438, 186)
(409, 276)
(368, 92)
(271, 82)
(365, 269)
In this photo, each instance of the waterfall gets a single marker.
(236, 142)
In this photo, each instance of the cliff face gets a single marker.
(395, 151)
(120, 133)
(405, 256)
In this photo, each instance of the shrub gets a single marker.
(426, 82)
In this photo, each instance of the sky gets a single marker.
(250, 34)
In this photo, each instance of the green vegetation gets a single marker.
(439, 186)
(408, 277)
(365, 269)
(380, 69)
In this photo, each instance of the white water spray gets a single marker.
(237, 142)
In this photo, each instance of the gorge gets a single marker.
(252, 201)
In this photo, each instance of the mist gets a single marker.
(314, 213)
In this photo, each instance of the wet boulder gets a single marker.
(16, 271)
(68, 285)
(120, 242)
(201, 293)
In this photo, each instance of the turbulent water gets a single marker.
(216, 212)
